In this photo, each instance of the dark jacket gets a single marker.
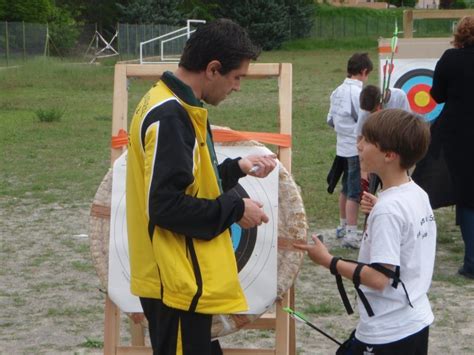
(453, 82)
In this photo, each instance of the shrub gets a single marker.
(49, 115)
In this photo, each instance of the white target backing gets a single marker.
(256, 248)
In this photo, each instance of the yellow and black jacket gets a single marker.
(178, 216)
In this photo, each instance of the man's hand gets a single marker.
(367, 202)
(253, 214)
(258, 165)
(317, 251)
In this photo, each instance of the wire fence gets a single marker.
(20, 41)
(373, 27)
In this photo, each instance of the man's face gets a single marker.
(220, 86)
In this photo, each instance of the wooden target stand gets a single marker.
(284, 326)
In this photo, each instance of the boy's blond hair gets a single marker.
(398, 131)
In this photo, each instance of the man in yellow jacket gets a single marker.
(179, 210)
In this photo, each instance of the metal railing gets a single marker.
(179, 33)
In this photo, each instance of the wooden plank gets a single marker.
(111, 327)
(441, 14)
(120, 107)
(154, 71)
(266, 321)
(248, 351)
(133, 350)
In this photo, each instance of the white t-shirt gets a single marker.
(401, 231)
(398, 99)
(343, 114)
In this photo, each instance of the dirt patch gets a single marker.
(52, 303)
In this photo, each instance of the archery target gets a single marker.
(255, 248)
(243, 240)
(415, 78)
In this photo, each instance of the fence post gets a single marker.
(128, 40)
(24, 41)
(7, 49)
(46, 43)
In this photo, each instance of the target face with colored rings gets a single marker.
(417, 85)
(243, 240)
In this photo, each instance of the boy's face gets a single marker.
(364, 76)
(371, 158)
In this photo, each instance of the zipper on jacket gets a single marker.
(197, 273)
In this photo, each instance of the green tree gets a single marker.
(265, 20)
(301, 17)
(163, 12)
(26, 10)
(63, 31)
(104, 13)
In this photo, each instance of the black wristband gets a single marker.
(332, 266)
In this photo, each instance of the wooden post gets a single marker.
(120, 106)
(408, 24)
(285, 342)
(111, 327)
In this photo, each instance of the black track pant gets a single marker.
(416, 344)
(177, 332)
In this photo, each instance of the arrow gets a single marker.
(301, 318)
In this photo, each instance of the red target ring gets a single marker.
(420, 99)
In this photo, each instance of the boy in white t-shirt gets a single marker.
(396, 258)
(343, 114)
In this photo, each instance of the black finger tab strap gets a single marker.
(340, 285)
(394, 275)
(363, 299)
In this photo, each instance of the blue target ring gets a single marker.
(415, 83)
(243, 240)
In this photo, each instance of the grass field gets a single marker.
(45, 166)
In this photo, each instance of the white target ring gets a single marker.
(258, 258)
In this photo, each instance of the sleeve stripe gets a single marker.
(147, 113)
(157, 124)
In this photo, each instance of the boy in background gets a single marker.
(398, 245)
(343, 115)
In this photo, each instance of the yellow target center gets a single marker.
(422, 99)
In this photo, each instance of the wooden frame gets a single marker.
(285, 342)
(410, 15)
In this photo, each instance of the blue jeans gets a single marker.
(466, 222)
(351, 179)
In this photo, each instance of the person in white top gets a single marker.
(343, 115)
(370, 98)
(398, 247)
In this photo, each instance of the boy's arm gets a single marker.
(368, 276)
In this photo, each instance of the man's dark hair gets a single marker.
(398, 131)
(221, 40)
(370, 98)
(358, 62)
